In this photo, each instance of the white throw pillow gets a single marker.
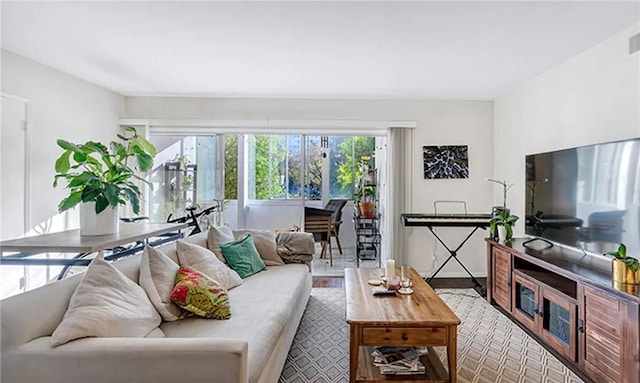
(216, 237)
(157, 278)
(205, 261)
(106, 304)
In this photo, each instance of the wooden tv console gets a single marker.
(569, 303)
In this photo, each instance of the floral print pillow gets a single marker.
(201, 295)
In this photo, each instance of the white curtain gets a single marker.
(400, 158)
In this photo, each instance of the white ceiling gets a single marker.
(468, 50)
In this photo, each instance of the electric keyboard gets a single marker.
(453, 220)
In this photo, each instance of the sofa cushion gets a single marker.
(243, 256)
(201, 295)
(203, 260)
(265, 242)
(216, 237)
(106, 304)
(262, 306)
(157, 278)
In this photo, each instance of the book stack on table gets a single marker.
(399, 360)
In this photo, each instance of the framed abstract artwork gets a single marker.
(449, 161)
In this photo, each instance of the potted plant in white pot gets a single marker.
(503, 222)
(100, 178)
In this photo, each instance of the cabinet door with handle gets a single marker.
(601, 351)
(559, 323)
(501, 288)
(525, 301)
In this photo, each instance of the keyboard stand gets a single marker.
(453, 254)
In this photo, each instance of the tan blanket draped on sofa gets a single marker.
(295, 247)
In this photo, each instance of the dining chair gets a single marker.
(336, 206)
(319, 223)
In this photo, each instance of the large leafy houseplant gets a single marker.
(104, 175)
(505, 220)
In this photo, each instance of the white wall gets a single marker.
(439, 123)
(62, 106)
(592, 98)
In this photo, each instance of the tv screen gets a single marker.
(586, 197)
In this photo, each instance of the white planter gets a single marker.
(502, 236)
(98, 224)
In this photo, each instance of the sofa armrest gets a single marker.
(143, 360)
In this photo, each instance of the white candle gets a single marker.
(391, 268)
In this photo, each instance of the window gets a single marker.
(313, 172)
(332, 166)
(231, 167)
(275, 163)
(345, 154)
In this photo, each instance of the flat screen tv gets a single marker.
(586, 197)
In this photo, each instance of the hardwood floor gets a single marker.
(336, 282)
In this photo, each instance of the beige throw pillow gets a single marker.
(216, 237)
(204, 261)
(106, 304)
(157, 277)
(265, 242)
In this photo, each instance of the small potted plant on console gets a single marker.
(625, 269)
(503, 222)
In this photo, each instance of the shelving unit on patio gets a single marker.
(368, 237)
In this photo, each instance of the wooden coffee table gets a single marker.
(419, 319)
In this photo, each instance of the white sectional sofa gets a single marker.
(252, 346)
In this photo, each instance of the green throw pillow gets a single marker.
(201, 295)
(242, 256)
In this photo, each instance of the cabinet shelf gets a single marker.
(434, 370)
(552, 281)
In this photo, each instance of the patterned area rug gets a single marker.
(491, 348)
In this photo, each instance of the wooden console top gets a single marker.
(572, 264)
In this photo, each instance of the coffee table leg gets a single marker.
(354, 349)
(452, 354)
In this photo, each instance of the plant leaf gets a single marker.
(101, 204)
(132, 196)
(146, 145)
(622, 250)
(631, 263)
(72, 200)
(79, 157)
(613, 254)
(92, 146)
(62, 163)
(508, 232)
(145, 161)
(111, 192)
(83, 178)
(66, 145)
(119, 150)
(90, 193)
